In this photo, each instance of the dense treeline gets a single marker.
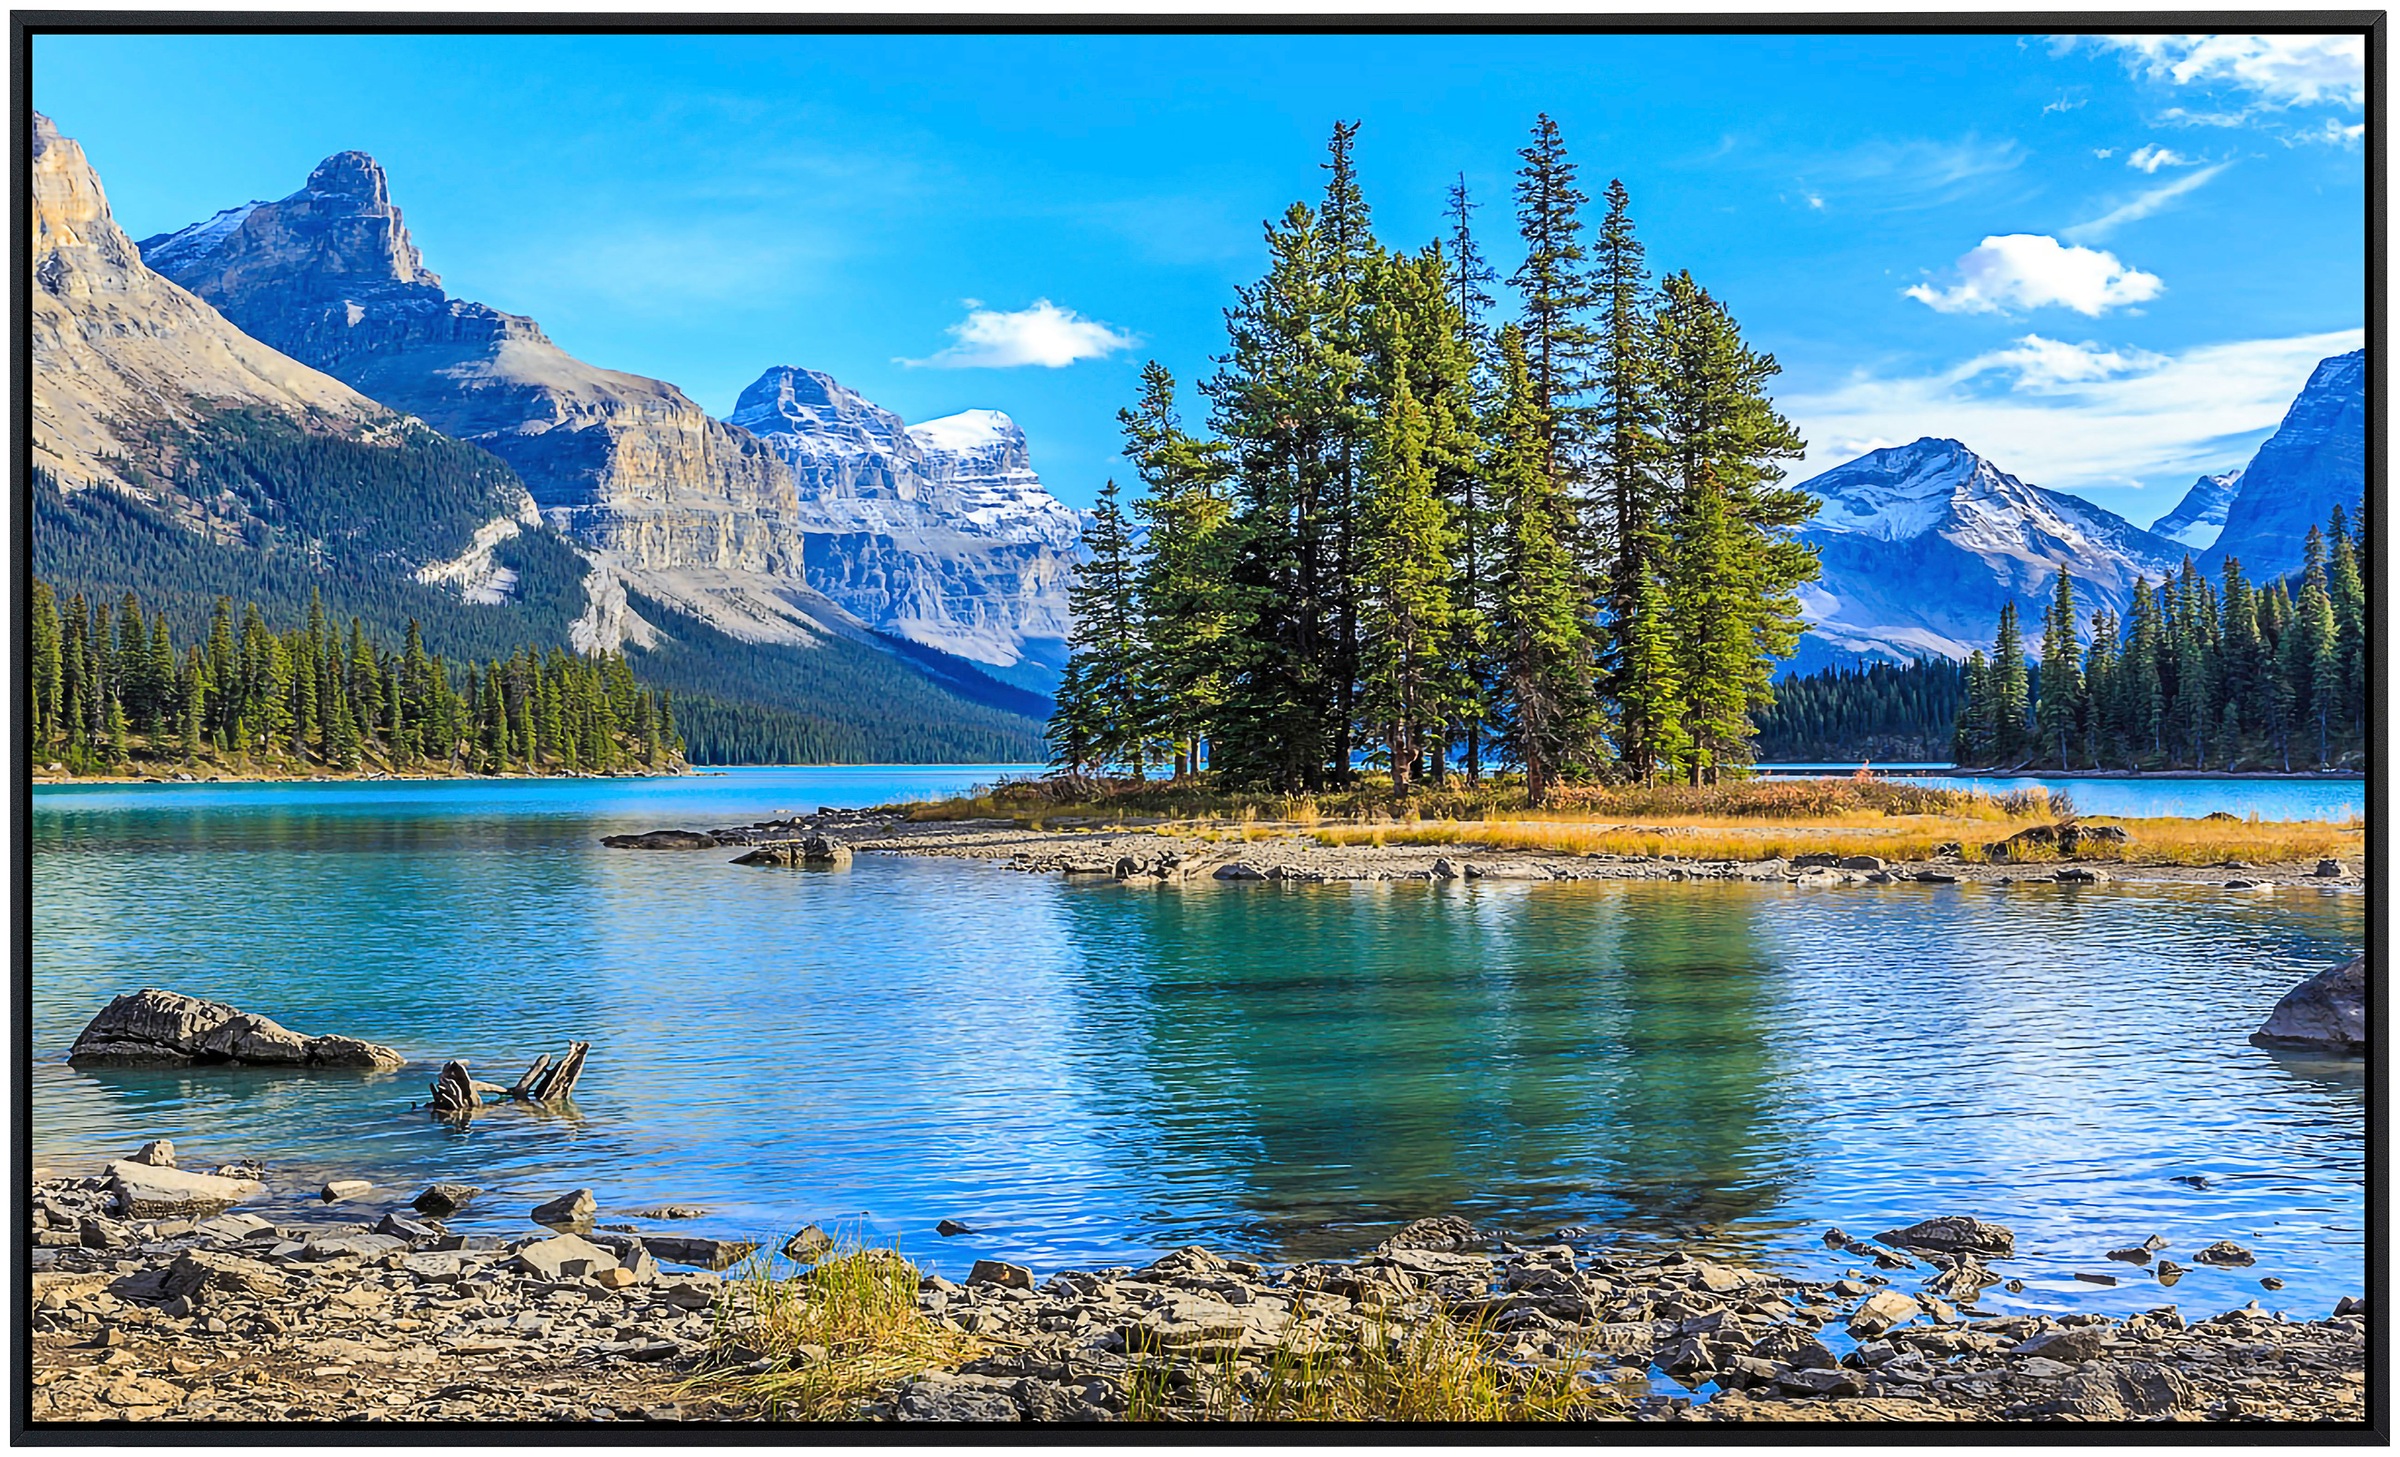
(109, 687)
(1412, 536)
(1879, 711)
(2198, 674)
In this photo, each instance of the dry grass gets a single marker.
(1435, 1369)
(838, 1334)
(1915, 837)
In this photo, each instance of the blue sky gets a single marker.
(2107, 265)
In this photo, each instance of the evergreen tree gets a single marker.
(1188, 614)
(1627, 426)
(1547, 718)
(1972, 741)
(2009, 735)
(2058, 712)
(1469, 277)
(1555, 285)
(46, 663)
(1111, 698)
(1406, 603)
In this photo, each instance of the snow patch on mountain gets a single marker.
(2199, 518)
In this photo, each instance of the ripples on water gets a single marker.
(1093, 1072)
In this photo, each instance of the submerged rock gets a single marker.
(159, 1028)
(2327, 1012)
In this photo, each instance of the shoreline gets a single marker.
(1174, 855)
(320, 1315)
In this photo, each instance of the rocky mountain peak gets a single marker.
(338, 233)
(2316, 460)
(353, 176)
(788, 398)
(2199, 517)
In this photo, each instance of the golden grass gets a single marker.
(1914, 837)
(1435, 1369)
(839, 1334)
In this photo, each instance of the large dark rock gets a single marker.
(155, 1028)
(2326, 1013)
(1954, 1234)
(663, 840)
(816, 852)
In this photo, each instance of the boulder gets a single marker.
(2081, 875)
(2331, 869)
(197, 1274)
(815, 852)
(564, 1257)
(147, 1192)
(663, 840)
(708, 1254)
(999, 1272)
(2326, 1013)
(948, 1228)
(158, 1153)
(2226, 1252)
(1445, 869)
(567, 1209)
(1240, 870)
(443, 1200)
(163, 1029)
(1953, 1234)
(1440, 1232)
(343, 1189)
(1815, 860)
(1507, 870)
(810, 1245)
(1859, 862)
(1881, 1311)
(2072, 1346)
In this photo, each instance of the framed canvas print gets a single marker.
(1543, 729)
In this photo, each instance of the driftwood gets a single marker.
(456, 1095)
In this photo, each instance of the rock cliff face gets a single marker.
(2316, 460)
(330, 276)
(938, 532)
(1921, 544)
(121, 355)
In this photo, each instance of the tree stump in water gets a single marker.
(454, 1094)
(559, 1083)
(524, 1086)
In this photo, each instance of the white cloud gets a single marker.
(2280, 70)
(2332, 134)
(2031, 271)
(2154, 156)
(2104, 153)
(2040, 365)
(2143, 205)
(1043, 334)
(2136, 417)
(2065, 103)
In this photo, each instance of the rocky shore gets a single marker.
(227, 1316)
(1172, 855)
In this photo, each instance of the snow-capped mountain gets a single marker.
(2199, 518)
(2316, 460)
(1921, 543)
(940, 532)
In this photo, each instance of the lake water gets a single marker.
(1091, 1073)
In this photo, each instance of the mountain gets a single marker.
(2200, 517)
(960, 550)
(178, 457)
(2316, 460)
(182, 458)
(939, 532)
(1921, 543)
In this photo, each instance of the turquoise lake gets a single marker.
(1091, 1073)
